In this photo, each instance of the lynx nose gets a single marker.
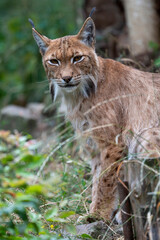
(67, 79)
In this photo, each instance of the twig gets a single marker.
(126, 211)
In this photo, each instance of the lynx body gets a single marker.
(117, 105)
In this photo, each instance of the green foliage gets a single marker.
(40, 209)
(154, 46)
(20, 62)
(157, 62)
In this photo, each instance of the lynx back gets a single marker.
(117, 105)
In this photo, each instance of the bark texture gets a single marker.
(143, 24)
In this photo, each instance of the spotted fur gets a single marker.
(119, 105)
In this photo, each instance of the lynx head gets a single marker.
(70, 62)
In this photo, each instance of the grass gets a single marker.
(47, 192)
(41, 194)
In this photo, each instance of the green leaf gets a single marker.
(27, 201)
(157, 62)
(51, 212)
(66, 214)
(86, 236)
(63, 203)
(33, 216)
(18, 183)
(2, 230)
(21, 211)
(57, 219)
(34, 189)
(33, 227)
(154, 45)
(71, 229)
(7, 159)
(31, 161)
(21, 228)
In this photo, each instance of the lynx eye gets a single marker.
(54, 62)
(77, 59)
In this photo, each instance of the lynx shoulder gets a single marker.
(119, 105)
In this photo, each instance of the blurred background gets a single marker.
(127, 31)
(44, 168)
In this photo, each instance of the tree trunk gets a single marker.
(142, 21)
(144, 200)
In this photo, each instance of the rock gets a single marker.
(36, 109)
(27, 119)
(19, 118)
(17, 111)
(97, 230)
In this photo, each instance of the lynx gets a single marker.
(117, 105)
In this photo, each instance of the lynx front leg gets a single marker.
(104, 189)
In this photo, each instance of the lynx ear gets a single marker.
(42, 41)
(87, 33)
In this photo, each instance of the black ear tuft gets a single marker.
(31, 22)
(92, 11)
(42, 41)
(87, 33)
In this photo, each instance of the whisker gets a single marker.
(77, 77)
(80, 78)
(58, 82)
(42, 82)
(56, 79)
(76, 81)
(61, 85)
